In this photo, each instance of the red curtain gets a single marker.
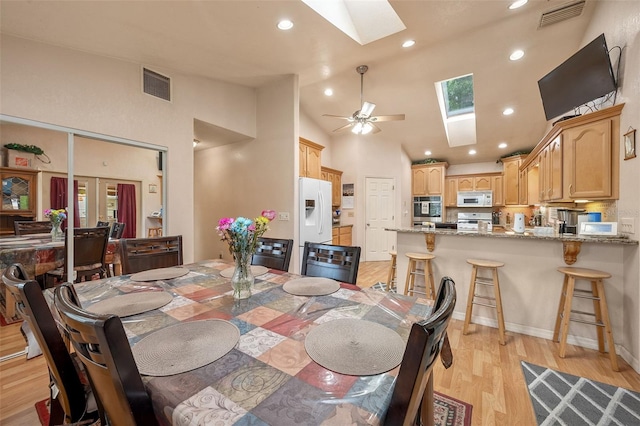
(127, 208)
(58, 198)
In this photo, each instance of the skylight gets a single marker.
(458, 95)
(456, 100)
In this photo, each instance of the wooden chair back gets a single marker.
(336, 262)
(413, 392)
(117, 229)
(31, 227)
(102, 346)
(71, 401)
(143, 254)
(273, 253)
(89, 251)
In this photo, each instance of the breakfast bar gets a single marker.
(530, 282)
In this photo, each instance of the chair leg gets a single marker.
(607, 326)
(498, 296)
(598, 314)
(566, 314)
(408, 283)
(428, 276)
(563, 298)
(56, 413)
(391, 272)
(472, 292)
(427, 412)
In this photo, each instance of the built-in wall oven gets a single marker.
(427, 209)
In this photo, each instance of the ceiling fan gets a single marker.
(362, 122)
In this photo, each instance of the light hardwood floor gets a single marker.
(484, 373)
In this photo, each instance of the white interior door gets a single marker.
(379, 214)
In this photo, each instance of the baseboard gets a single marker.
(14, 355)
(548, 334)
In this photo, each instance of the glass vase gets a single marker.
(56, 232)
(242, 279)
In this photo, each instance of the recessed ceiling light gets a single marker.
(427, 152)
(285, 24)
(507, 111)
(408, 43)
(472, 152)
(502, 145)
(517, 54)
(328, 92)
(518, 3)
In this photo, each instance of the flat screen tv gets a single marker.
(585, 76)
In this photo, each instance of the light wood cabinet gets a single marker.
(523, 187)
(588, 161)
(451, 192)
(550, 171)
(512, 178)
(497, 184)
(310, 158)
(342, 235)
(335, 177)
(428, 179)
(579, 158)
(19, 197)
(474, 183)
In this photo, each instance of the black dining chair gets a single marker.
(336, 262)
(22, 227)
(89, 253)
(273, 253)
(101, 344)
(143, 254)
(412, 397)
(117, 230)
(74, 401)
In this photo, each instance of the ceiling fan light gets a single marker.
(357, 128)
(366, 128)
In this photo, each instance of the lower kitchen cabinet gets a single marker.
(342, 235)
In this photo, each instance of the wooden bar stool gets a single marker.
(493, 302)
(601, 312)
(427, 272)
(391, 277)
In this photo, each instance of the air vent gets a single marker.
(562, 13)
(155, 84)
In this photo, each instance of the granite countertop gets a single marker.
(528, 235)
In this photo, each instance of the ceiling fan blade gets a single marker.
(345, 127)
(376, 129)
(341, 117)
(366, 110)
(393, 117)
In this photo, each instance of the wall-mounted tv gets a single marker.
(585, 76)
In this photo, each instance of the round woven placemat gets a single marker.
(355, 347)
(311, 286)
(159, 274)
(132, 303)
(256, 270)
(184, 347)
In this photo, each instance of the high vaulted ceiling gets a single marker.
(238, 42)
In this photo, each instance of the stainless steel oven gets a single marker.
(427, 209)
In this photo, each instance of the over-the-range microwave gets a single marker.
(475, 198)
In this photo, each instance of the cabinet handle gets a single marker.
(570, 189)
(549, 192)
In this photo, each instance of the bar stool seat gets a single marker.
(601, 311)
(391, 277)
(427, 272)
(492, 302)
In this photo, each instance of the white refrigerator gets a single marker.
(315, 212)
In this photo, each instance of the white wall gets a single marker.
(83, 91)
(310, 130)
(244, 178)
(620, 22)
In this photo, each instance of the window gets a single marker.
(458, 95)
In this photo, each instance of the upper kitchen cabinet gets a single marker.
(310, 159)
(512, 178)
(475, 183)
(335, 177)
(428, 179)
(579, 158)
(451, 191)
(497, 184)
(19, 197)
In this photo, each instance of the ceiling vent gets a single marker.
(562, 13)
(155, 84)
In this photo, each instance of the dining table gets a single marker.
(267, 377)
(38, 254)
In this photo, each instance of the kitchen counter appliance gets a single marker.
(469, 221)
(427, 209)
(475, 199)
(568, 220)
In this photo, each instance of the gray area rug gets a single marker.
(382, 287)
(562, 399)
